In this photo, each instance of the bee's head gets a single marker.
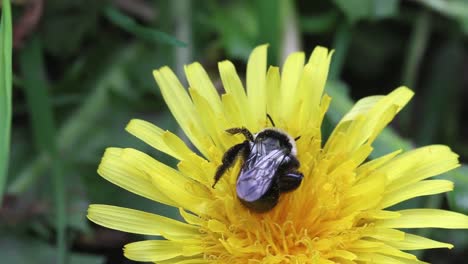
(275, 136)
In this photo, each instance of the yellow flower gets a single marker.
(339, 214)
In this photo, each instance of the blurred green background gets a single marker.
(82, 70)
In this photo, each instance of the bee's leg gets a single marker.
(229, 158)
(290, 181)
(289, 178)
(241, 130)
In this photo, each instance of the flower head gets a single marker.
(339, 213)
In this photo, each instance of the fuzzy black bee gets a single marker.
(269, 167)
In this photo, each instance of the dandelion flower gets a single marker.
(340, 212)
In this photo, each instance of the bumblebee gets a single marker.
(269, 168)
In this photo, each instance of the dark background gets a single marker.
(82, 70)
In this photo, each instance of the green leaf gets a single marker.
(458, 198)
(5, 91)
(18, 249)
(443, 87)
(341, 44)
(238, 29)
(416, 48)
(455, 9)
(40, 110)
(367, 9)
(61, 16)
(271, 30)
(127, 23)
(37, 96)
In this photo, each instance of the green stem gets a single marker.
(340, 45)
(416, 47)
(182, 15)
(60, 210)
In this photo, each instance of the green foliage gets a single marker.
(458, 198)
(129, 24)
(85, 70)
(367, 9)
(456, 9)
(68, 25)
(20, 249)
(42, 123)
(5, 92)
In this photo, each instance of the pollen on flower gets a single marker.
(338, 214)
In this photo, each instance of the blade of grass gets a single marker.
(85, 117)
(270, 30)
(443, 89)
(416, 47)
(127, 23)
(341, 43)
(40, 110)
(5, 91)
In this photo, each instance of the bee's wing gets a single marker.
(257, 173)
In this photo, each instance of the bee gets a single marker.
(269, 168)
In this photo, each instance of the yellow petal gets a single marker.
(186, 260)
(416, 189)
(130, 177)
(308, 106)
(393, 252)
(256, 71)
(384, 234)
(198, 169)
(159, 139)
(344, 254)
(320, 63)
(419, 218)
(232, 110)
(370, 166)
(215, 124)
(418, 164)
(273, 81)
(370, 190)
(182, 108)
(377, 258)
(191, 218)
(292, 70)
(379, 214)
(411, 261)
(366, 120)
(199, 80)
(365, 245)
(190, 193)
(233, 85)
(362, 107)
(414, 242)
(157, 250)
(138, 222)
